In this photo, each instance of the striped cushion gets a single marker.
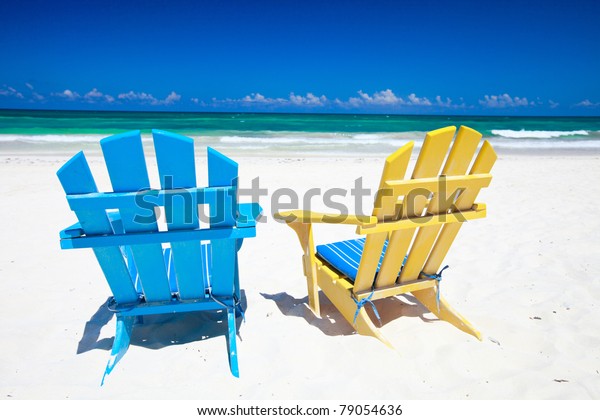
(345, 256)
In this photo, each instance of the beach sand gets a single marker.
(526, 276)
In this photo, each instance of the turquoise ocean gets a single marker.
(298, 133)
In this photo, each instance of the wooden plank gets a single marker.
(458, 161)
(224, 257)
(145, 198)
(177, 170)
(222, 172)
(369, 261)
(483, 164)
(142, 238)
(435, 185)
(395, 289)
(309, 262)
(433, 152)
(125, 161)
(126, 166)
(427, 220)
(76, 178)
(175, 159)
(395, 169)
(462, 151)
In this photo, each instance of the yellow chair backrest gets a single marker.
(435, 200)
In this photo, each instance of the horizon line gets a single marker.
(157, 111)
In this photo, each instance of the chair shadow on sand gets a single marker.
(158, 331)
(332, 322)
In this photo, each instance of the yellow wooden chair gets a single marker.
(432, 204)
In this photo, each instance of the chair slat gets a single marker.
(222, 172)
(458, 161)
(433, 152)
(125, 161)
(223, 267)
(175, 158)
(462, 151)
(76, 178)
(395, 168)
(483, 164)
(177, 169)
(126, 166)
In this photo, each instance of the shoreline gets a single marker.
(67, 149)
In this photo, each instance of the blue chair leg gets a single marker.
(236, 291)
(231, 343)
(121, 343)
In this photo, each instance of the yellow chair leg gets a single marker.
(342, 300)
(313, 288)
(304, 232)
(364, 326)
(428, 298)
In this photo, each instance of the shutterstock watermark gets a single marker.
(218, 205)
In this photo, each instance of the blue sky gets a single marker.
(416, 57)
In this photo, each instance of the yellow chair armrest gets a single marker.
(307, 216)
(477, 211)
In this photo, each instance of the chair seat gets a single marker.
(345, 256)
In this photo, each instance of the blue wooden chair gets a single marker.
(183, 268)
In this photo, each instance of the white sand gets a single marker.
(528, 276)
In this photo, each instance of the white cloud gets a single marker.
(30, 86)
(148, 98)
(137, 96)
(67, 94)
(10, 91)
(172, 98)
(384, 97)
(255, 98)
(260, 99)
(588, 104)
(553, 104)
(504, 101)
(415, 100)
(388, 98)
(93, 95)
(308, 100)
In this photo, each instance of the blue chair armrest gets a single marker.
(74, 231)
(248, 214)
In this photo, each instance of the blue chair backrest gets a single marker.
(143, 268)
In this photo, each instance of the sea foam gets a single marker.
(537, 134)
